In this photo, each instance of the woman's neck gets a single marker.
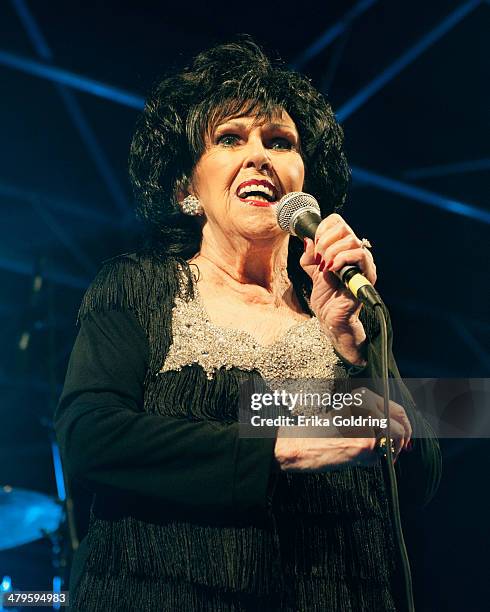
(255, 273)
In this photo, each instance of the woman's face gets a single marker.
(246, 167)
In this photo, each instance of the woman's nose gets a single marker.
(257, 156)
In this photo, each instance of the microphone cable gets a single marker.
(390, 466)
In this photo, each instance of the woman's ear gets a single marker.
(183, 190)
(180, 195)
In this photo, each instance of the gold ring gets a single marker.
(381, 446)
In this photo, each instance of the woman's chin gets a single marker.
(265, 229)
(254, 222)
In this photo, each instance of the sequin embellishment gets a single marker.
(302, 352)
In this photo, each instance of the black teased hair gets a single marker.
(230, 79)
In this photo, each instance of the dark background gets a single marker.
(66, 205)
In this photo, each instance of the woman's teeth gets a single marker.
(258, 198)
(248, 192)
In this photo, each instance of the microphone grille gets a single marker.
(290, 204)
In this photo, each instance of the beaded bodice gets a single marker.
(303, 351)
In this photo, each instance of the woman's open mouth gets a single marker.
(257, 192)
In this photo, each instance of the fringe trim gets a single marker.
(338, 551)
(354, 492)
(147, 287)
(335, 525)
(189, 393)
(123, 593)
(237, 559)
(343, 595)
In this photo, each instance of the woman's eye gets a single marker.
(281, 143)
(278, 143)
(228, 139)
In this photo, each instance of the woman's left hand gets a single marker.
(332, 303)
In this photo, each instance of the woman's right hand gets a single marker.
(296, 450)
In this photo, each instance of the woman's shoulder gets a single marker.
(134, 281)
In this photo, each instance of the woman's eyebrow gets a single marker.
(237, 124)
(240, 124)
(281, 125)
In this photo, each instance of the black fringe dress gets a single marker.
(188, 515)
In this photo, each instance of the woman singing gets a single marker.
(187, 514)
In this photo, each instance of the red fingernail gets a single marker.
(318, 258)
(409, 446)
(322, 265)
(330, 264)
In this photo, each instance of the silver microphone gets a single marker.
(299, 214)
